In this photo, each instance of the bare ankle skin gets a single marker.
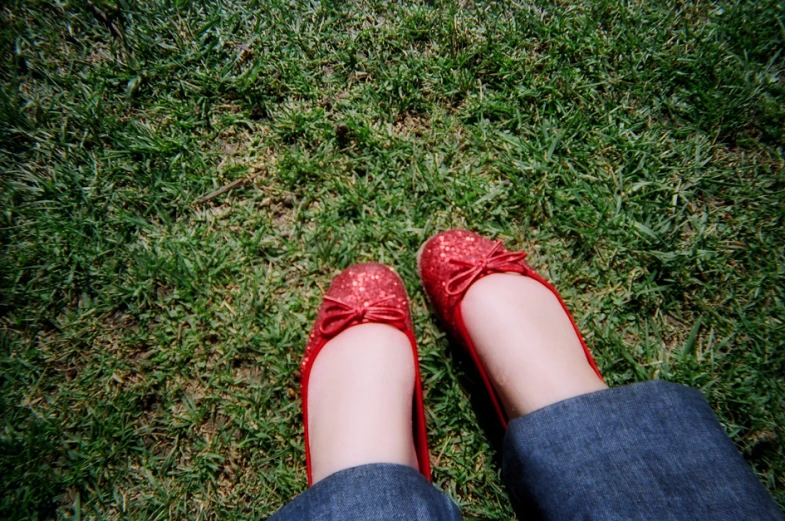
(360, 401)
(526, 343)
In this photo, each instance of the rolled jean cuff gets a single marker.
(652, 450)
(375, 492)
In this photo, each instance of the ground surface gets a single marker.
(150, 345)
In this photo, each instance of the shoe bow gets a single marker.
(493, 261)
(338, 315)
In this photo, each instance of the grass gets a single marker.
(149, 346)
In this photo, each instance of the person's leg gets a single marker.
(526, 343)
(577, 450)
(360, 423)
(360, 401)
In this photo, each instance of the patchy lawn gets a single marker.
(150, 342)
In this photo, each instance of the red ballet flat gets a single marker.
(449, 263)
(361, 294)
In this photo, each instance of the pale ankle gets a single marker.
(360, 401)
(526, 343)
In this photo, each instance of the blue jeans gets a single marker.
(646, 451)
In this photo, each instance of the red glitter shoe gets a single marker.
(361, 294)
(449, 263)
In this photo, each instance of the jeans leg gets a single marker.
(646, 451)
(377, 492)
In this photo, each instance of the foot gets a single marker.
(361, 389)
(511, 321)
(526, 343)
(360, 401)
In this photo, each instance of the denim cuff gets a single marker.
(652, 450)
(375, 492)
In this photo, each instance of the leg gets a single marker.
(652, 450)
(360, 422)
(575, 450)
(526, 343)
(360, 401)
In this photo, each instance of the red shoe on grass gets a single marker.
(449, 263)
(361, 294)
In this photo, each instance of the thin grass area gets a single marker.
(150, 345)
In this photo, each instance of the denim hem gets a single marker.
(375, 492)
(652, 450)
